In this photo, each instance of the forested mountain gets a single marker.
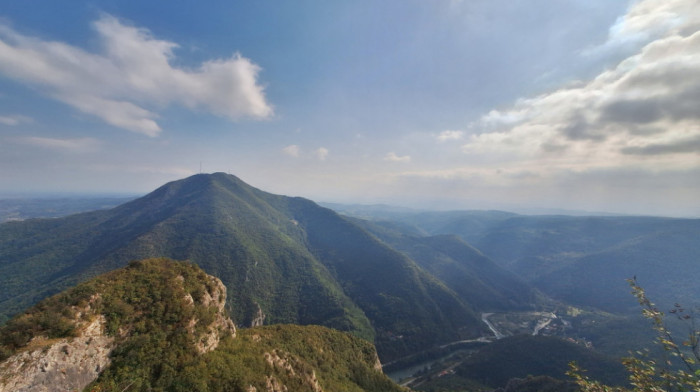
(410, 282)
(283, 260)
(460, 266)
(579, 260)
(160, 325)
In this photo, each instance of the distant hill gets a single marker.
(509, 364)
(460, 266)
(284, 260)
(585, 261)
(161, 325)
(579, 260)
(13, 209)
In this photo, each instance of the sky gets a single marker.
(589, 105)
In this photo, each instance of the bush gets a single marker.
(678, 371)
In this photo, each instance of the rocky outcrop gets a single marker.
(286, 363)
(133, 328)
(259, 318)
(222, 325)
(59, 365)
(71, 363)
(377, 364)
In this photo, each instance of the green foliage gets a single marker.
(518, 356)
(285, 257)
(585, 260)
(244, 236)
(474, 277)
(677, 371)
(529, 383)
(409, 309)
(340, 362)
(146, 299)
(147, 312)
(581, 260)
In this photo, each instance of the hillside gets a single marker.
(160, 325)
(512, 362)
(582, 260)
(460, 266)
(284, 260)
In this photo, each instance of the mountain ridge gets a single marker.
(158, 324)
(284, 260)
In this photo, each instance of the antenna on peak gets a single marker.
(200, 167)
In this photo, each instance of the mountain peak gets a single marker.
(283, 259)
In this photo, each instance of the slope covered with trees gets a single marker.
(284, 260)
(460, 266)
(165, 330)
(583, 260)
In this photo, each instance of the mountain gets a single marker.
(161, 325)
(283, 260)
(460, 266)
(586, 261)
(578, 260)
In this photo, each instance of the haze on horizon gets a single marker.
(578, 105)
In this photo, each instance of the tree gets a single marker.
(677, 371)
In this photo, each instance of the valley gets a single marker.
(501, 325)
(350, 196)
(445, 297)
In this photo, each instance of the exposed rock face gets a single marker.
(259, 318)
(70, 364)
(378, 365)
(63, 365)
(285, 362)
(222, 325)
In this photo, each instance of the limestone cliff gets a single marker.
(222, 324)
(58, 365)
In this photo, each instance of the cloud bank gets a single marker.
(626, 139)
(642, 113)
(132, 77)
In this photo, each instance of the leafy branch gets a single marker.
(647, 374)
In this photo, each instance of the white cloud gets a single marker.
(15, 120)
(651, 19)
(295, 151)
(132, 77)
(644, 22)
(292, 150)
(392, 157)
(450, 135)
(122, 114)
(642, 113)
(67, 145)
(322, 153)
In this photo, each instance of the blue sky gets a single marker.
(587, 105)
